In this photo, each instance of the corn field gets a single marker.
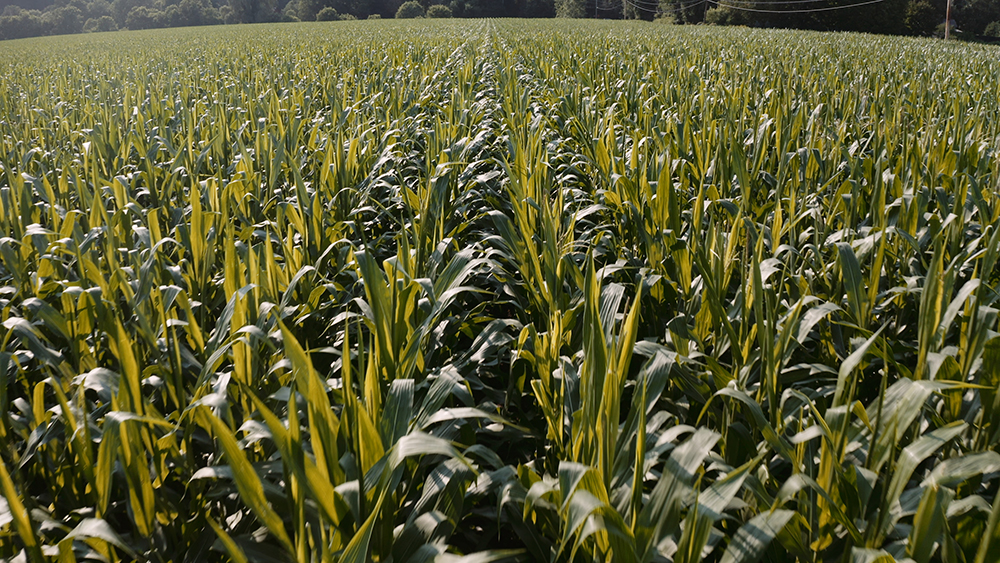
(474, 291)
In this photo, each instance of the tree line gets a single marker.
(30, 18)
(971, 18)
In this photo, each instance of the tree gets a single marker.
(480, 9)
(357, 8)
(972, 16)
(439, 11)
(387, 8)
(171, 17)
(308, 10)
(921, 18)
(99, 8)
(103, 23)
(64, 21)
(725, 16)
(536, 8)
(645, 12)
(410, 10)
(327, 14)
(18, 23)
(502, 8)
(883, 17)
(571, 8)
(194, 12)
(253, 11)
(120, 10)
(140, 18)
(684, 11)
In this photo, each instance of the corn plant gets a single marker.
(499, 291)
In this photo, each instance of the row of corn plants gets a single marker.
(499, 291)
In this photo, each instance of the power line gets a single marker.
(681, 7)
(826, 9)
(661, 10)
(780, 2)
(614, 7)
(641, 3)
(644, 6)
(604, 5)
(657, 5)
(658, 8)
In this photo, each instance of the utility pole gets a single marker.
(947, 20)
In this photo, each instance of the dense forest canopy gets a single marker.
(972, 18)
